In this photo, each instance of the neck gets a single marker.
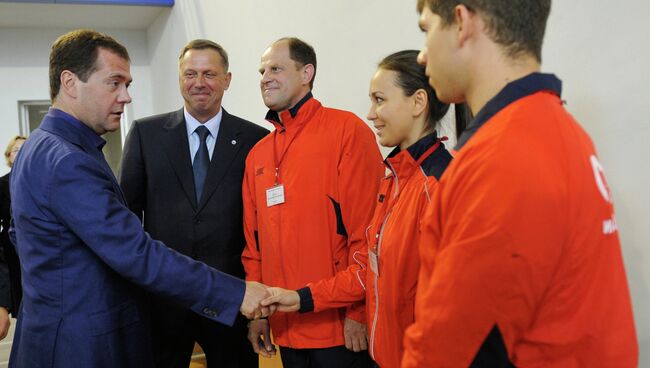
(61, 104)
(492, 75)
(203, 118)
(416, 134)
(303, 94)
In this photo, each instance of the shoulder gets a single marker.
(341, 115)
(47, 154)
(155, 121)
(436, 164)
(247, 127)
(262, 147)
(347, 122)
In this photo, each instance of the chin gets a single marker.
(112, 127)
(386, 143)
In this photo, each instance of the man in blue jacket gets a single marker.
(86, 260)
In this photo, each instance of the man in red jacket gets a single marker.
(309, 192)
(520, 256)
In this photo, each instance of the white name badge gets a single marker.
(275, 195)
(374, 262)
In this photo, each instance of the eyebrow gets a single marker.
(117, 75)
(271, 66)
(121, 77)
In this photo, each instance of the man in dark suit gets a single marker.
(185, 182)
(11, 291)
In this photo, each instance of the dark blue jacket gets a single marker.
(86, 259)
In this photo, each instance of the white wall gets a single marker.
(24, 73)
(599, 50)
(342, 32)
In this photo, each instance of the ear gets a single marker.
(228, 79)
(69, 83)
(308, 74)
(466, 21)
(420, 102)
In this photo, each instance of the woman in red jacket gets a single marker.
(405, 111)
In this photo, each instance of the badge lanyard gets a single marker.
(275, 194)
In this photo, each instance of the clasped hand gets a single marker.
(261, 301)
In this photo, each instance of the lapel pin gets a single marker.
(233, 142)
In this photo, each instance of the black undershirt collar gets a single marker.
(512, 92)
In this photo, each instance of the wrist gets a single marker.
(306, 300)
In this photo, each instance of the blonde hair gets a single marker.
(11, 145)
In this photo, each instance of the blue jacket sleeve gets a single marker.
(86, 198)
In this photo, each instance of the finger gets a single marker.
(253, 341)
(273, 291)
(267, 339)
(271, 300)
(364, 343)
(264, 353)
(257, 313)
(264, 311)
(348, 342)
(356, 346)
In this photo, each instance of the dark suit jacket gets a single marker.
(87, 259)
(11, 291)
(5, 244)
(158, 182)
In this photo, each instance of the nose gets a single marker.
(422, 56)
(124, 96)
(266, 77)
(372, 113)
(199, 81)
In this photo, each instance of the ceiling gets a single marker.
(13, 15)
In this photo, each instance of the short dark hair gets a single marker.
(517, 25)
(411, 78)
(302, 53)
(77, 51)
(202, 44)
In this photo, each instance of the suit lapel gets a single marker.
(177, 148)
(225, 150)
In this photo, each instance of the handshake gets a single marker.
(261, 301)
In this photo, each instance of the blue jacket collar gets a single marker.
(72, 129)
(513, 91)
(418, 148)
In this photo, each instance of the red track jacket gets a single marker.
(393, 236)
(520, 256)
(330, 167)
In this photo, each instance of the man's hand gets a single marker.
(258, 330)
(5, 322)
(282, 300)
(250, 306)
(356, 335)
